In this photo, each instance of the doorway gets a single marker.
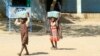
(57, 6)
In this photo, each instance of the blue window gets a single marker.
(21, 3)
(69, 6)
(91, 6)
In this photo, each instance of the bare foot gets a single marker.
(26, 54)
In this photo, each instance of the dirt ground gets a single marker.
(39, 45)
(84, 41)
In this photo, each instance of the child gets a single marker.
(54, 32)
(23, 23)
(53, 5)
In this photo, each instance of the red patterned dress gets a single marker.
(54, 32)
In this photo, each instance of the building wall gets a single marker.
(2, 7)
(88, 6)
(38, 9)
(91, 6)
(69, 6)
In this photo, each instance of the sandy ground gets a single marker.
(40, 46)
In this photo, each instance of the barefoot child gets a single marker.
(23, 23)
(54, 32)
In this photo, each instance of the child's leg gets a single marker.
(21, 50)
(27, 53)
(55, 44)
(52, 43)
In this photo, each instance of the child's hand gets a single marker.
(17, 22)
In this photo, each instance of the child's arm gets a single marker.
(28, 20)
(17, 22)
(59, 17)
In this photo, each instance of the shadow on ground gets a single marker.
(39, 53)
(66, 48)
